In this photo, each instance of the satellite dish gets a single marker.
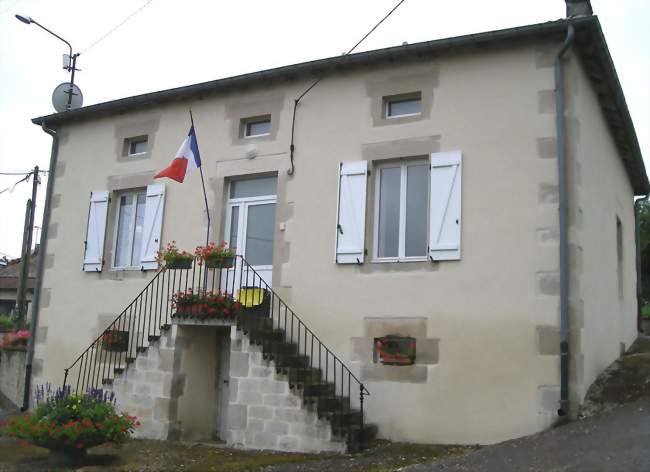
(61, 94)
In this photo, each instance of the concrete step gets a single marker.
(318, 389)
(354, 437)
(327, 405)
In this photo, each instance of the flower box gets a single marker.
(205, 305)
(215, 256)
(394, 350)
(179, 263)
(219, 262)
(115, 341)
(15, 341)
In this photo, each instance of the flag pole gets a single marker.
(205, 195)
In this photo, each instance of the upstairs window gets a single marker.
(257, 126)
(402, 210)
(130, 221)
(136, 146)
(403, 105)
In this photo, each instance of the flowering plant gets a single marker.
(66, 422)
(215, 255)
(15, 341)
(172, 257)
(205, 305)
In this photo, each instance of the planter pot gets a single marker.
(68, 457)
(180, 264)
(219, 262)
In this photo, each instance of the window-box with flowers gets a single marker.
(16, 341)
(215, 256)
(68, 424)
(175, 259)
(114, 340)
(204, 305)
(394, 350)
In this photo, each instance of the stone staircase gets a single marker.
(327, 398)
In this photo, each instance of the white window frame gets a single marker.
(118, 196)
(401, 98)
(402, 164)
(258, 119)
(136, 139)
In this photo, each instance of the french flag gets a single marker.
(187, 158)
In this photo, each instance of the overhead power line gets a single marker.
(17, 172)
(112, 30)
(316, 82)
(12, 187)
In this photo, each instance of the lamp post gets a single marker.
(70, 62)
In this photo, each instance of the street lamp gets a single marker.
(69, 60)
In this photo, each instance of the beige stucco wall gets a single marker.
(603, 321)
(492, 317)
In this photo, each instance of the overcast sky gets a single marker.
(171, 43)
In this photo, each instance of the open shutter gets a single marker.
(445, 206)
(95, 232)
(153, 215)
(351, 221)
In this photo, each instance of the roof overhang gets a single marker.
(590, 45)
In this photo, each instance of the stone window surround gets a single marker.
(405, 84)
(239, 111)
(133, 129)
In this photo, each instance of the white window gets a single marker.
(256, 127)
(401, 210)
(137, 146)
(130, 214)
(403, 105)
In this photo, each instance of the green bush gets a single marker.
(63, 421)
(6, 322)
(645, 311)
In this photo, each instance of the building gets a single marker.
(365, 232)
(9, 278)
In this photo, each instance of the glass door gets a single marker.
(250, 223)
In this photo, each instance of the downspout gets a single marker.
(564, 221)
(639, 274)
(40, 265)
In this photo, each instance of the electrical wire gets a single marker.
(10, 172)
(12, 187)
(112, 30)
(317, 81)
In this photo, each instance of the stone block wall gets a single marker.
(144, 389)
(12, 375)
(264, 413)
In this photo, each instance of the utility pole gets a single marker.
(21, 305)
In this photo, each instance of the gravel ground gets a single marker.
(615, 441)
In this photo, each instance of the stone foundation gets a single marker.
(12, 375)
(264, 413)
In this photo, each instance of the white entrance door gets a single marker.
(250, 223)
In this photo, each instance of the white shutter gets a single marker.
(95, 232)
(351, 221)
(445, 206)
(153, 215)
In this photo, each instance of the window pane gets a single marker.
(123, 223)
(138, 146)
(139, 224)
(257, 128)
(389, 190)
(253, 187)
(417, 182)
(234, 227)
(259, 234)
(410, 106)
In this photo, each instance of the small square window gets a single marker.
(255, 127)
(137, 145)
(403, 105)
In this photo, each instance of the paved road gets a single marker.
(616, 441)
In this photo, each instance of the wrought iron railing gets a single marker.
(327, 383)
